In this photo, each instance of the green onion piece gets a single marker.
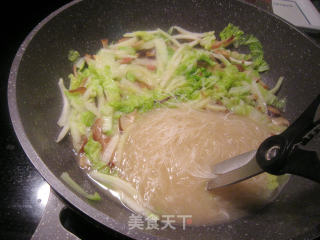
(76, 187)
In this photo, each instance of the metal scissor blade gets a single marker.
(234, 170)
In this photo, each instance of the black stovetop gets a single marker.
(23, 191)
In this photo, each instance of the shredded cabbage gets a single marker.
(255, 46)
(73, 55)
(92, 150)
(152, 69)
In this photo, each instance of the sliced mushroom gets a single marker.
(223, 52)
(98, 135)
(80, 90)
(216, 107)
(149, 53)
(104, 43)
(126, 120)
(143, 84)
(165, 99)
(126, 60)
(240, 67)
(137, 44)
(84, 162)
(280, 121)
(273, 112)
(223, 43)
(262, 84)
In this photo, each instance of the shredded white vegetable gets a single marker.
(246, 63)
(63, 119)
(276, 88)
(64, 131)
(108, 152)
(186, 32)
(261, 102)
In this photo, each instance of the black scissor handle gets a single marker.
(308, 121)
(281, 154)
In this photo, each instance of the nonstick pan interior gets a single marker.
(35, 102)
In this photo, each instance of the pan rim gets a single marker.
(35, 159)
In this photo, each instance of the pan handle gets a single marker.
(50, 225)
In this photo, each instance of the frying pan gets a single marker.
(35, 102)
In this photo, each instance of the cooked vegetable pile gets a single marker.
(152, 69)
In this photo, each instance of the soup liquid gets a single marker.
(168, 155)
